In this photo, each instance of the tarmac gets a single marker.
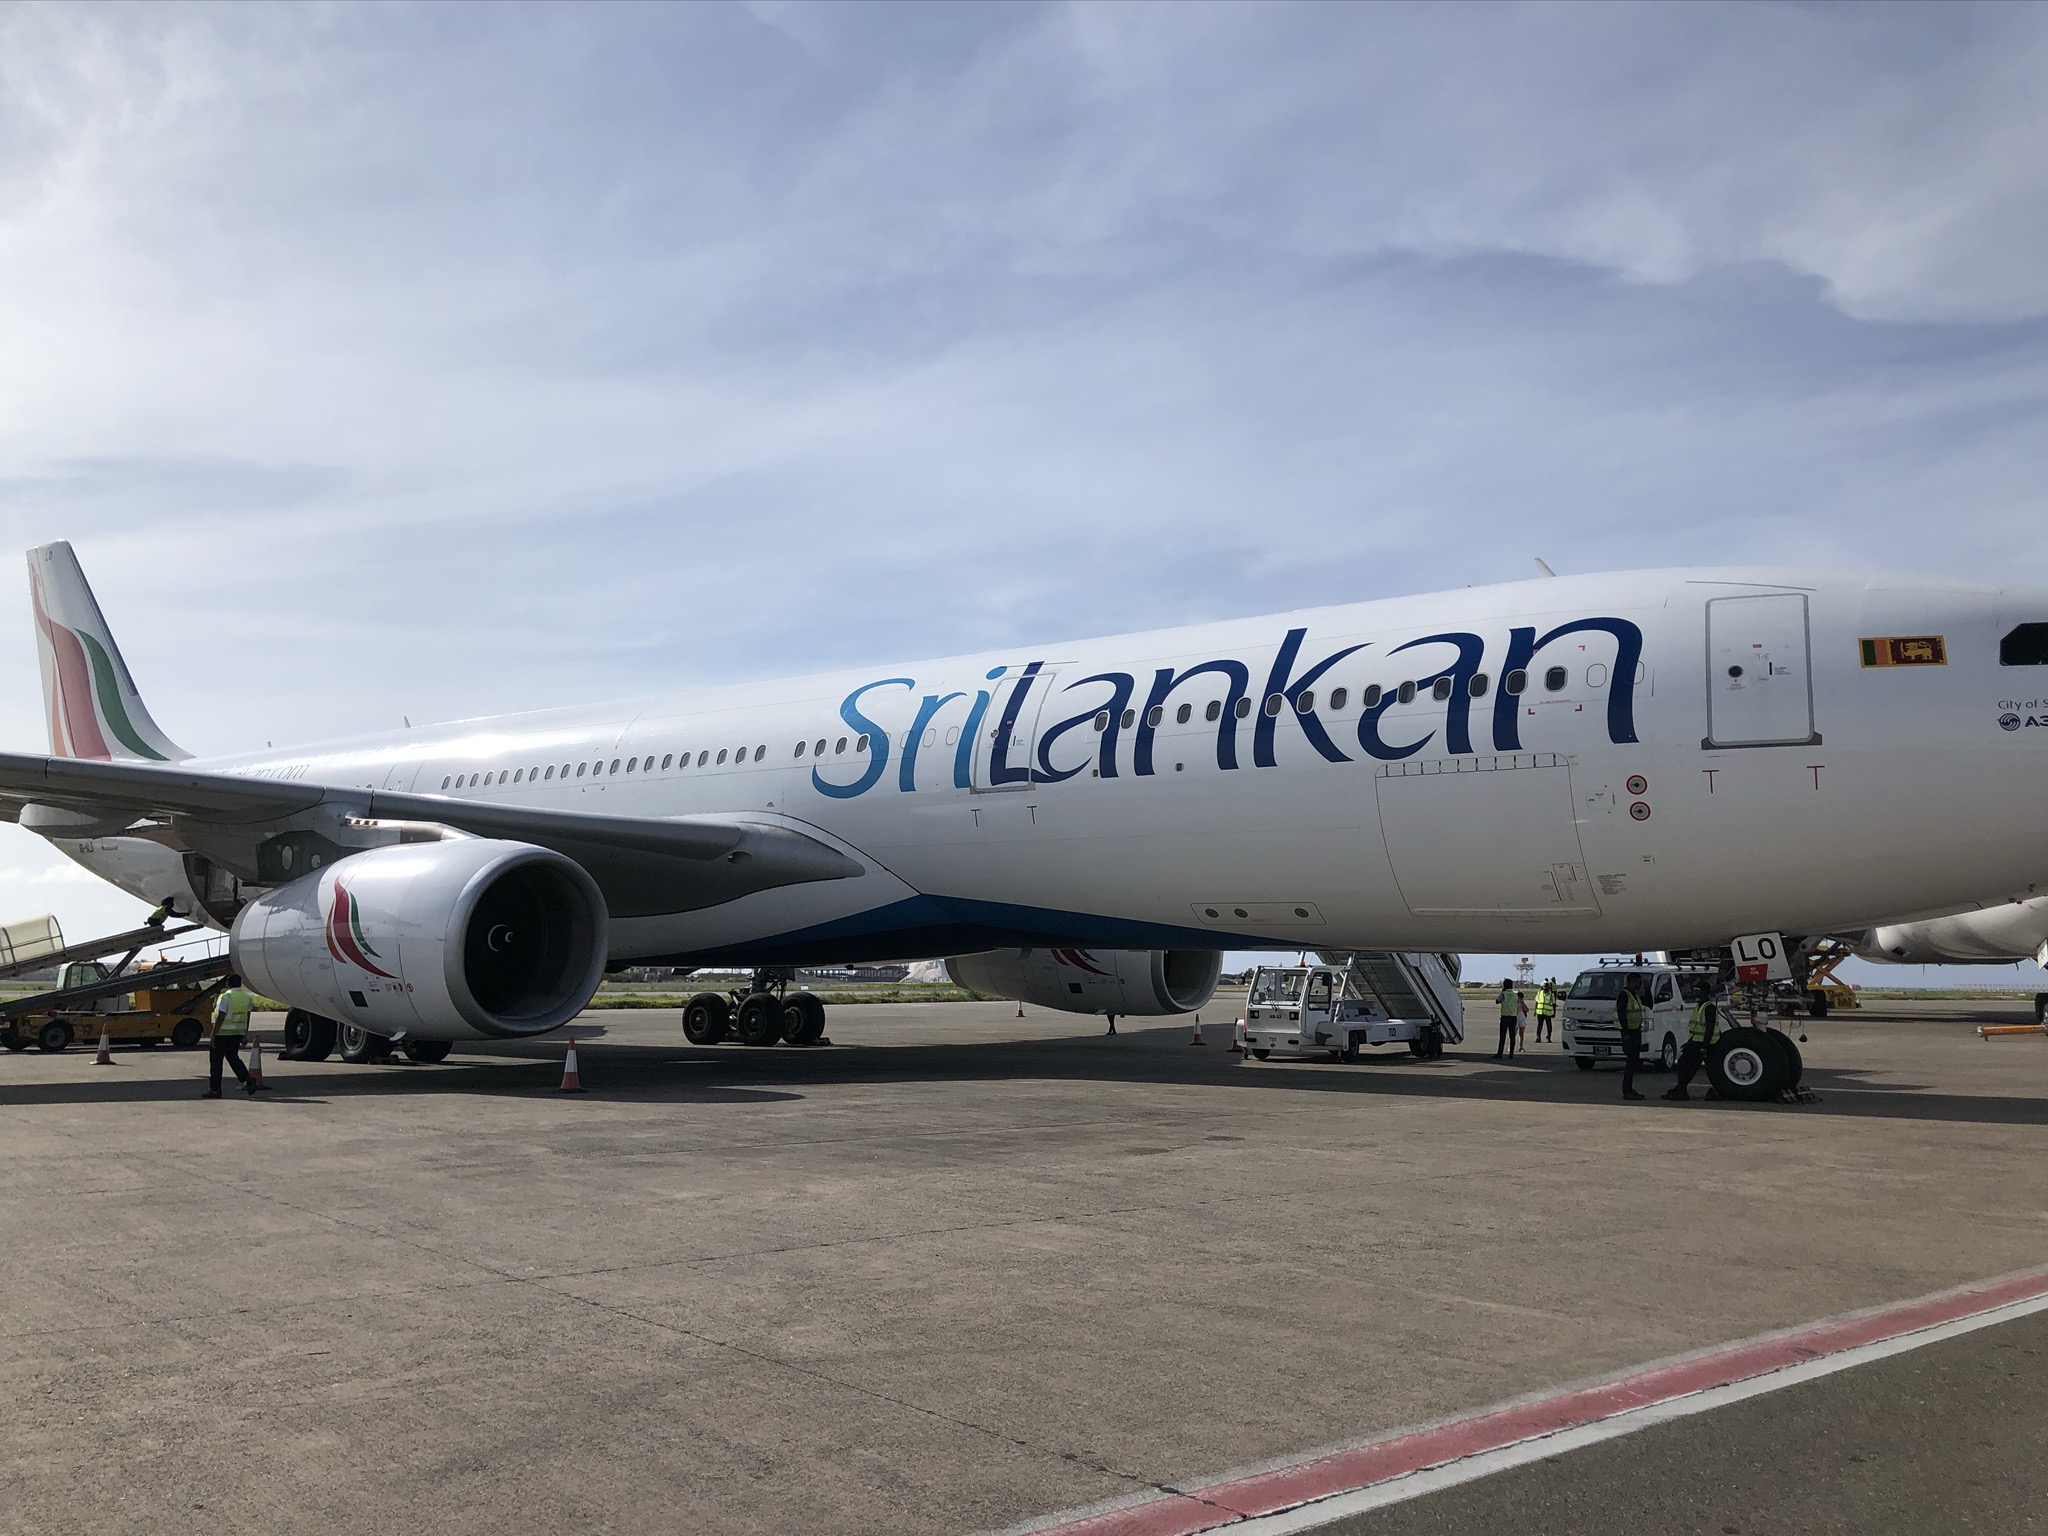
(963, 1271)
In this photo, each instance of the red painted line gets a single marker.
(1206, 1506)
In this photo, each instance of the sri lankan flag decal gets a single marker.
(345, 939)
(1905, 651)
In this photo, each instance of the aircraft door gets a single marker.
(1006, 756)
(1759, 672)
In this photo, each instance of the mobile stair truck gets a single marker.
(166, 1001)
(1349, 1000)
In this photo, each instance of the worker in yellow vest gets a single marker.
(231, 1012)
(1546, 1011)
(1706, 1026)
(1628, 1014)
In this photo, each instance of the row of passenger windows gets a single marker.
(647, 764)
(1555, 680)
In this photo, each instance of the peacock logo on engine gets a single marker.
(345, 939)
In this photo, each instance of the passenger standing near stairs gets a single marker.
(230, 1028)
(1510, 1018)
(1628, 1016)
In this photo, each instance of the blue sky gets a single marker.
(430, 361)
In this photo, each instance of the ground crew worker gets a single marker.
(1510, 1016)
(1546, 1011)
(230, 1028)
(1706, 1026)
(1628, 1014)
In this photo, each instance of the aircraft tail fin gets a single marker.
(88, 696)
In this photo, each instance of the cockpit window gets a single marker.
(2026, 646)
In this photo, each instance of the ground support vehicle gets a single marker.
(766, 1013)
(1351, 1001)
(1751, 1062)
(166, 1003)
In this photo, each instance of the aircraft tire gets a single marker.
(358, 1045)
(803, 1020)
(427, 1052)
(1667, 1054)
(1747, 1066)
(760, 1019)
(53, 1036)
(1795, 1063)
(706, 1018)
(307, 1036)
(1583, 1063)
(187, 1034)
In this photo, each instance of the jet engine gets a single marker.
(1123, 982)
(2000, 935)
(460, 940)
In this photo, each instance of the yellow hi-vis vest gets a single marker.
(1631, 1011)
(231, 1012)
(1546, 1003)
(1705, 1021)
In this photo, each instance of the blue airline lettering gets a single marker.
(878, 742)
(1164, 681)
(999, 769)
(1276, 682)
(906, 774)
(963, 755)
(1119, 699)
(1458, 718)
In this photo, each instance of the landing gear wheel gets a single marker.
(1583, 1063)
(1667, 1054)
(1748, 1066)
(53, 1036)
(358, 1045)
(426, 1052)
(706, 1018)
(187, 1033)
(803, 1019)
(307, 1036)
(760, 1019)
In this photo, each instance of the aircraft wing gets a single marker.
(643, 865)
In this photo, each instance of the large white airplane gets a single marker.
(1651, 759)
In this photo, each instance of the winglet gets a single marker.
(93, 708)
(1541, 566)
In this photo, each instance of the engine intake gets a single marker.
(460, 940)
(1126, 982)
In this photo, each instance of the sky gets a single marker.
(393, 361)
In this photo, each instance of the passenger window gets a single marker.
(519, 777)
(1515, 682)
(819, 749)
(1370, 699)
(1244, 709)
(1405, 693)
(1272, 703)
(551, 770)
(1555, 679)
(1154, 715)
(615, 765)
(1337, 698)
(1102, 721)
(1441, 690)
(1596, 675)
(1477, 687)
(1182, 715)
(722, 754)
(579, 769)
(861, 745)
(666, 759)
(1130, 718)
(760, 752)
(1305, 702)
(444, 781)
(836, 750)
(473, 778)
(2026, 646)
(1214, 711)
(705, 757)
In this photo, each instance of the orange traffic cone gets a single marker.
(571, 1083)
(106, 1055)
(255, 1063)
(1198, 1031)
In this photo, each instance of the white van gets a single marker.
(1588, 1029)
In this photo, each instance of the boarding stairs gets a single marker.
(1409, 985)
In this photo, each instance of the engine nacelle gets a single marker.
(2000, 935)
(1125, 982)
(461, 940)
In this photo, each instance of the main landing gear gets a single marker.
(308, 1037)
(1755, 1065)
(765, 1014)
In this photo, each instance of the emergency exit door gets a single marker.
(1759, 672)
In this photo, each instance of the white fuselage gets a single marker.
(1695, 754)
